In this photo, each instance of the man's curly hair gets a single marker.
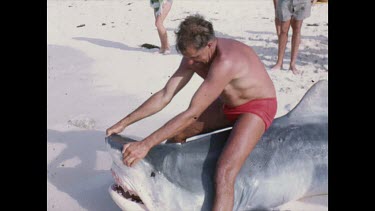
(194, 30)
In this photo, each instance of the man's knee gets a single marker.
(181, 138)
(296, 25)
(296, 30)
(196, 128)
(284, 30)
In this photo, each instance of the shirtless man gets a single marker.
(237, 91)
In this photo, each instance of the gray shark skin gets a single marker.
(288, 163)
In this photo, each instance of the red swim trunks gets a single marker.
(265, 108)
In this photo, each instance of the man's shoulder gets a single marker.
(229, 54)
(225, 41)
(224, 62)
(230, 47)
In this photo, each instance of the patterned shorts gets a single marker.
(298, 9)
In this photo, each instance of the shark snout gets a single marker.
(116, 178)
(121, 182)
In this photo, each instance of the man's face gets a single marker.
(198, 56)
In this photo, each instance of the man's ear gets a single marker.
(209, 44)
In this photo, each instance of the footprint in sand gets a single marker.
(82, 122)
(285, 90)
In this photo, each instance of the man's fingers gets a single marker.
(134, 162)
(126, 153)
(130, 156)
(124, 149)
(128, 160)
(125, 160)
(110, 132)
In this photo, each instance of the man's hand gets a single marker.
(133, 152)
(117, 128)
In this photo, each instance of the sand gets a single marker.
(97, 73)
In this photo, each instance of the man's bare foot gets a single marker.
(277, 67)
(294, 70)
(165, 51)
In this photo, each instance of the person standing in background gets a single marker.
(290, 13)
(161, 10)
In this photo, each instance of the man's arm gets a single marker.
(157, 101)
(218, 77)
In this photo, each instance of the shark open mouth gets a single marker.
(127, 194)
(124, 195)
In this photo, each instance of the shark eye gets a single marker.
(152, 174)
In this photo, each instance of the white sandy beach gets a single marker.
(97, 73)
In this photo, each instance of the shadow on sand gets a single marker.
(82, 182)
(264, 51)
(119, 45)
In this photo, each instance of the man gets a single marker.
(237, 91)
(290, 13)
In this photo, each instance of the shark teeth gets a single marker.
(125, 191)
(127, 194)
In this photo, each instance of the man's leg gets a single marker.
(244, 136)
(278, 27)
(277, 21)
(296, 39)
(159, 20)
(211, 119)
(283, 39)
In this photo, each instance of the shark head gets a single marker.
(289, 162)
(144, 186)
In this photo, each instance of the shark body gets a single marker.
(288, 163)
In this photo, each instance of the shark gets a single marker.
(289, 162)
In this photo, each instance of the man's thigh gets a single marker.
(213, 118)
(244, 136)
(210, 120)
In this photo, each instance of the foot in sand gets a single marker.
(294, 70)
(277, 67)
(165, 51)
